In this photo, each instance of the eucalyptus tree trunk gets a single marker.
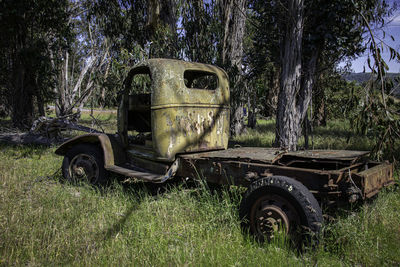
(288, 118)
(68, 90)
(297, 80)
(22, 98)
(234, 20)
(162, 11)
(273, 92)
(319, 105)
(161, 26)
(251, 105)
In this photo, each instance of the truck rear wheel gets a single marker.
(84, 162)
(279, 204)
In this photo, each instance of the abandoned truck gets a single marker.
(178, 127)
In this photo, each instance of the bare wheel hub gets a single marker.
(273, 214)
(272, 219)
(79, 171)
(84, 166)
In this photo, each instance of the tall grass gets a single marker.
(369, 236)
(44, 221)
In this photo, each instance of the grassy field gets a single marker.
(44, 221)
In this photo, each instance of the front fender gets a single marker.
(112, 149)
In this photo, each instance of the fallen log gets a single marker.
(47, 131)
(52, 127)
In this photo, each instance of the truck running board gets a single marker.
(144, 175)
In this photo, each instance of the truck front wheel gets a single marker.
(279, 204)
(84, 162)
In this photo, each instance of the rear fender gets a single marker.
(112, 149)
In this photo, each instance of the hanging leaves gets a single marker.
(378, 118)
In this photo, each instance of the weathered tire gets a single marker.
(84, 162)
(279, 203)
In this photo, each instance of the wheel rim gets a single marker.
(273, 215)
(84, 167)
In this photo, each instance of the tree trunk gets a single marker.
(40, 105)
(251, 106)
(288, 118)
(234, 21)
(162, 16)
(273, 92)
(307, 131)
(319, 116)
(68, 92)
(161, 11)
(61, 89)
(22, 99)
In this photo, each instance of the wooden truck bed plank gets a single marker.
(328, 154)
(253, 154)
(272, 155)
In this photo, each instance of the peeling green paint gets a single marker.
(182, 119)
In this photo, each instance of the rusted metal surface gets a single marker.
(251, 154)
(84, 166)
(374, 178)
(322, 159)
(271, 215)
(147, 176)
(242, 173)
(328, 154)
(183, 119)
(241, 166)
(154, 166)
(281, 157)
(113, 152)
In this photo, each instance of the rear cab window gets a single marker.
(197, 79)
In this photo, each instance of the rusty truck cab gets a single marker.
(183, 107)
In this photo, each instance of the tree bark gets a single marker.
(273, 92)
(162, 11)
(22, 105)
(161, 27)
(319, 115)
(288, 116)
(68, 96)
(234, 21)
(251, 106)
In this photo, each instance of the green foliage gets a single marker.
(365, 110)
(31, 31)
(200, 36)
(118, 19)
(262, 54)
(147, 24)
(114, 83)
(392, 81)
(339, 97)
(136, 30)
(379, 121)
(372, 17)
